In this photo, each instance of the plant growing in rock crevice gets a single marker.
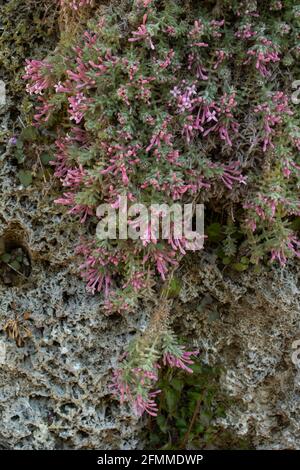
(191, 407)
(172, 101)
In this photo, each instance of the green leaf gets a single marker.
(177, 384)
(196, 368)
(174, 288)
(194, 396)
(171, 399)
(181, 424)
(214, 232)
(205, 418)
(213, 315)
(25, 177)
(199, 428)
(29, 134)
(19, 153)
(46, 158)
(162, 423)
(240, 267)
(15, 265)
(295, 225)
(5, 257)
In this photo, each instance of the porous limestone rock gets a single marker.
(54, 388)
(249, 323)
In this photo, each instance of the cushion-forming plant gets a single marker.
(163, 101)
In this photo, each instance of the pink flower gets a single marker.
(199, 44)
(251, 224)
(162, 259)
(63, 87)
(122, 159)
(216, 25)
(78, 106)
(137, 281)
(74, 176)
(96, 281)
(61, 158)
(221, 56)
(147, 405)
(68, 199)
(142, 34)
(290, 167)
(276, 6)
(122, 93)
(197, 29)
(273, 113)
(78, 136)
(145, 3)
(119, 387)
(294, 245)
(230, 174)
(264, 54)
(38, 72)
(81, 75)
(245, 32)
(162, 136)
(136, 390)
(280, 253)
(44, 111)
(99, 266)
(165, 63)
(182, 361)
(185, 97)
(193, 62)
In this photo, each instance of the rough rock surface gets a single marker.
(249, 323)
(54, 388)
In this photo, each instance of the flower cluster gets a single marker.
(38, 75)
(163, 103)
(134, 380)
(144, 121)
(273, 113)
(264, 53)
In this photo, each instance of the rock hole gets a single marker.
(15, 259)
(15, 418)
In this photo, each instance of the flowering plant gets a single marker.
(170, 101)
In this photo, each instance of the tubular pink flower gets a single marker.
(142, 34)
(264, 54)
(231, 174)
(273, 113)
(245, 32)
(68, 199)
(78, 106)
(162, 260)
(38, 73)
(181, 361)
(74, 176)
(147, 405)
(44, 111)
